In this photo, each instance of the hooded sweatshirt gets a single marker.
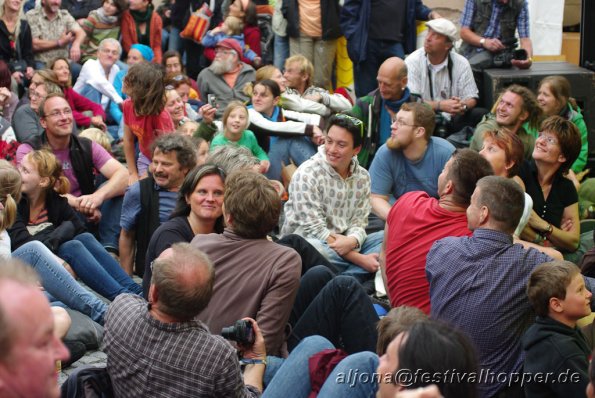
(553, 347)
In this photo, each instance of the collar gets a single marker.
(440, 66)
(321, 155)
(494, 235)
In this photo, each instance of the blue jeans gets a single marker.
(298, 149)
(91, 93)
(93, 264)
(280, 51)
(365, 72)
(292, 374)
(175, 41)
(58, 282)
(109, 225)
(371, 245)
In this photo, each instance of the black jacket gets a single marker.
(551, 346)
(25, 43)
(66, 224)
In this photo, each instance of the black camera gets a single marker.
(241, 332)
(504, 58)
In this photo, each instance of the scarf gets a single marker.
(105, 19)
(385, 119)
(396, 105)
(143, 17)
(274, 117)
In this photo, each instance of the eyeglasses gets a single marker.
(401, 123)
(548, 139)
(355, 121)
(113, 52)
(65, 112)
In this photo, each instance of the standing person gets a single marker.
(376, 31)
(145, 117)
(16, 40)
(55, 33)
(141, 24)
(313, 29)
(44, 215)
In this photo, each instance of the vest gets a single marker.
(148, 221)
(483, 13)
(81, 158)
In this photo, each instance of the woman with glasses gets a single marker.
(198, 211)
(554, 220)
(26, 122)
(86, 113)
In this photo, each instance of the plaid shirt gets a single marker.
(149, 358)
(478, 284)
(493, 30)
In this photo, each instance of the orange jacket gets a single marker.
(128, 29)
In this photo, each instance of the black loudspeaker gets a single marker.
(587, 35)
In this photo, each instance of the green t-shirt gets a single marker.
(248, 140)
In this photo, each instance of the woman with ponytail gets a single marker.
(56, 281)
(44, 215)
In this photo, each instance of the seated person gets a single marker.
(554, 345)
(172, 62)
(95, 82)
(329, 201)
(255, 277)
(141, 24)
(231, 28)
(101, 23)
(554, 220)
(140, 337)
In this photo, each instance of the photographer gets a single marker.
(15, 41)
(486, 25)
(140, 338)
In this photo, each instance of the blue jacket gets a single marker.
(355, 20)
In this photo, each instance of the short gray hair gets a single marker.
(110, 40)
(232, 158)
(181, 144)
(184, 281)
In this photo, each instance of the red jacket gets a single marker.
(128, 29)
(80, 104)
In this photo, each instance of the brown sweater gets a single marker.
(253, 278)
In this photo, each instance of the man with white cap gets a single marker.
(444, 79)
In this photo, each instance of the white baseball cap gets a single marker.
(444, 27)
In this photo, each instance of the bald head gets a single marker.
(392, 78)
(182, 283)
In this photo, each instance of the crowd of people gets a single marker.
(195, 202)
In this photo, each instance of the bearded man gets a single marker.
(226, 77)
(411, 159)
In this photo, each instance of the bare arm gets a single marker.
(380, 205)
(130, 156)
(566, 239)
(127, 250)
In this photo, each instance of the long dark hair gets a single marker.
(192, 179)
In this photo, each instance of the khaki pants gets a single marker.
(320, 52)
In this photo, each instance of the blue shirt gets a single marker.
(391, 173)
(493, 29)
(478, 284)
(131, 205)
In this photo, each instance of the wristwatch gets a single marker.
(482, 41)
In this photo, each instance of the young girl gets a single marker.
(235, 121)
(231, 28)
(145, 117)
(54, 277)
(45, 216)
(101, 23)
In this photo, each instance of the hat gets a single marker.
(145, 51)
(232, 44)
(444, 27)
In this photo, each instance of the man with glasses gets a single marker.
(329, 201)
(96, 80)
(411, 159)
(79, 157)
(226, 77)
